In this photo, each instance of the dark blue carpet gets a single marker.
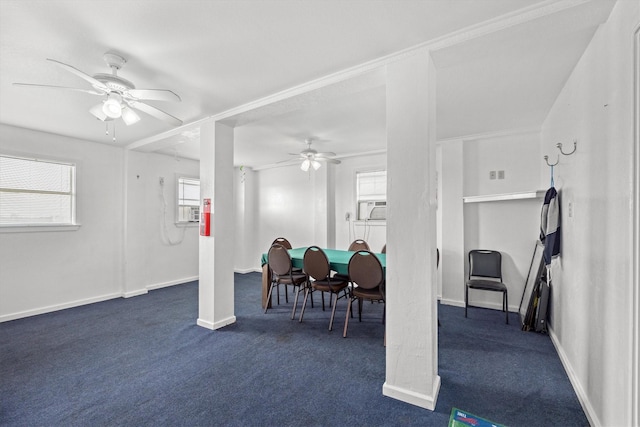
(143, 361)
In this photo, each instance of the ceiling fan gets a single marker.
(311, 158)
(120, 96)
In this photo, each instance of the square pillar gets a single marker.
(216, 283)
(411, 291)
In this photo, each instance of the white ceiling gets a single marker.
(500, 65)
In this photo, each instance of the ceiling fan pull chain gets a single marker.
(114, 131)
(106, 128)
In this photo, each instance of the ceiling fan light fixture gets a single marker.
(129, 116)
(97, 112)
(112, 107)
(316, 164)
(305, 165)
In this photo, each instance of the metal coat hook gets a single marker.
(546, 159)
(575, 147)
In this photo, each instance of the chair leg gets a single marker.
(346, 319)
(333, 312)
(360, 309)
(295, 303)
(506, 306)
(322, 293)
(304, 303)
(278, 292)
(268, 297)
(466, 300)
(286, 293)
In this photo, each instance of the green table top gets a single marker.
(338, 259)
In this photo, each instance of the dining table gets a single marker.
(338, 262)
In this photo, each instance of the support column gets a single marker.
(411, 293)
(216, 287)
(452, 254)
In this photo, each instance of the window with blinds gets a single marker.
(188, 199)
(34, 191)
(371, 194)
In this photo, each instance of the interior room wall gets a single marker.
(347, 231)
(247, 253)
(285, 206)
(451, 221)
(42, 271)
(591, 310)
(119, 249)
(306, 208)
(159, 252)
(511, 227)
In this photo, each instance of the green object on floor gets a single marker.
(460, 418)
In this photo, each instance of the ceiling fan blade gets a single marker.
(95, 83)
(324, 159)
(289, 161)
(325, 155)
(155, 112)
(154, 94)
(92, 92)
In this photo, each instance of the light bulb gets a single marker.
(305, 165)
(316, 164)
(112, 108)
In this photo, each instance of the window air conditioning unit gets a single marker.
(372, 210)
(194, 214)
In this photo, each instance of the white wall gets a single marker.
(591, 317)
(47, 271)
(511, 227)
(348, 231)
(44, 271)
(158, 251)
(286, 207)
(306, 208)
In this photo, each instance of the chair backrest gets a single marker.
(365, 270)
(282, 241)
(316, 263)
(359, 245)
(279, 260)
(485, 263)
(384, 249)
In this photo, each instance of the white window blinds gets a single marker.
(372, 185)
(36, 192)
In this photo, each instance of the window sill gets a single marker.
(186, 224)
(38, 228)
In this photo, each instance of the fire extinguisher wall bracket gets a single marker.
(205, 218)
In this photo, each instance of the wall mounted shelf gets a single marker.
(505, 196)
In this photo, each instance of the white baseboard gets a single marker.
(77, 303)
(224, 322)
(577, 386)
(245, 270)
(216, 325)
(135, 293)
(410, 396)
(205, 324)
(493, 306)
(172, 283)
(57, 307)
(452, 302)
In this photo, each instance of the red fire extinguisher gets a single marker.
(205, 218)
